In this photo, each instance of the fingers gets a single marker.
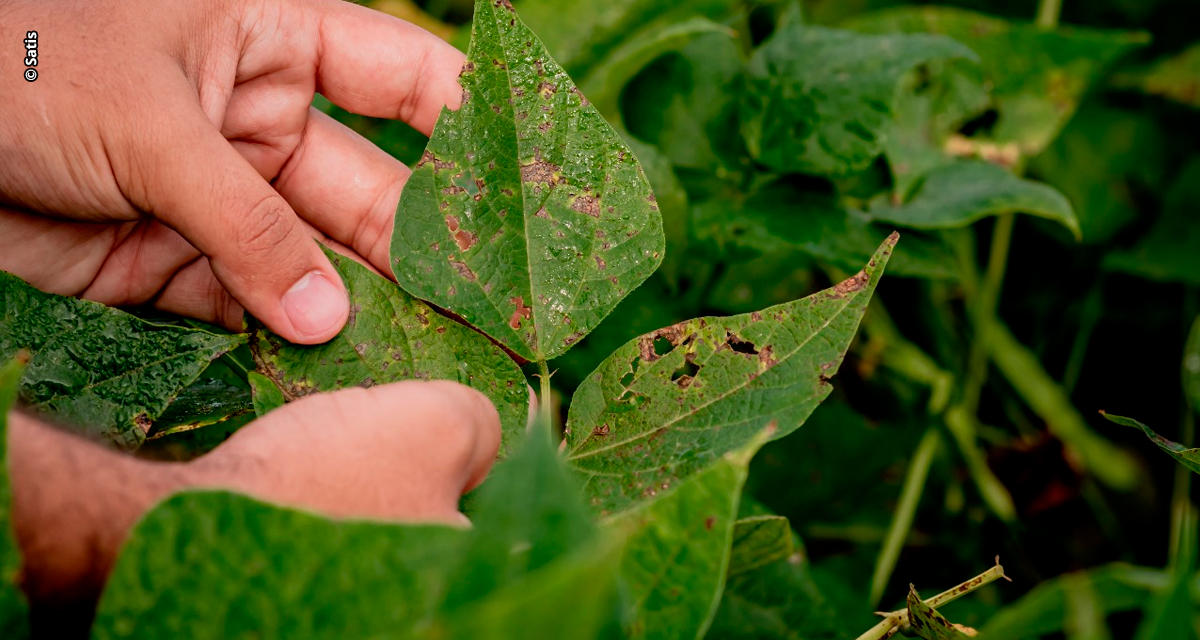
(189, 177)
(377, 65)
(406, 450)
(344, 186)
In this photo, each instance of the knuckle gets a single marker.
(264, 227)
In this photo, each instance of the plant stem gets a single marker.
(983, 311)
(545, 402)
(896, 619)
(1048, 12)
(906, 510)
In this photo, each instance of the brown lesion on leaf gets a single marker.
(539, 171)
(521, 312)
(505, 4)
(545, 126)
(852, 284)
(674, 335)
(546, 89)
(601, 430)
(600, 264)
(143, 422)
(468, 67)
(438, 164)
(586, 203)
(573, 338)
(766, 357)
(453, 190)
(507, 192)
(541, 213)
(582, 99)
(463, 270)
(463, 238)
(354, 309)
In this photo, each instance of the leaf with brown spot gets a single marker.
(742, 373)
(395, 337)
(557, 179)
(926, 623)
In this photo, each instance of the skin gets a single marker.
(167, 156)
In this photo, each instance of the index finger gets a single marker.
(373, 64)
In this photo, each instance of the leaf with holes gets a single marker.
(390, 337)
(105, 371)
(527, 215)
(672, 402)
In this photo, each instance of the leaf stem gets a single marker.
(983, 311)
(895, 620)
(1048, 12)
(545, 402)
(906, 510)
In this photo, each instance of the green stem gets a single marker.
(545, 401)
(983, 311)
(906, 510)
(1047, 13)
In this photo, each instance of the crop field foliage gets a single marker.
(832, 308)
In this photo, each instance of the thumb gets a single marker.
(259, 250)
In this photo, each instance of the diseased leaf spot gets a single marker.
(582, 99)
(685, 375)
(463, 270)
(522, 312)
(546, 89)
(600, 263)
(740, 346)
(852, 284)
(588, 204)
(601, 430)
(539, 171)
(463, 238)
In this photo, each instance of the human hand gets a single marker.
(168, 154)
(401, 451)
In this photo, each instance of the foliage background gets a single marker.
(1106, 317)
(784, 141)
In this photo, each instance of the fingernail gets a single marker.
(315, 305)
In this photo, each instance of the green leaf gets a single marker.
(531, 513)
(604, 83)
(674, 564)
(1189, 458)
(102, 370)
(527, 215)
(1036, 76)
(686, 105)
(14, 612)
(1191, 365)
(391, 336)
(267, 395)
(959, 194)
(672, 204)
(930, 105)
(926, 623)
(759, 541)
(819, 100)
(205, 402)
(779, 601)
(671, 402)
(1169, 250)
(1175, 78)
(595, 29)
(1170, 613)
(779, 217)
(524, 565)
